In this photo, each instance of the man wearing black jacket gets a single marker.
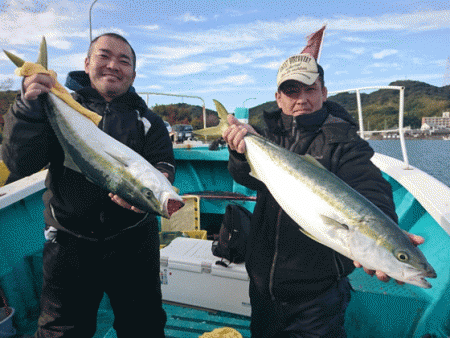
(96, 242)
(299, 287)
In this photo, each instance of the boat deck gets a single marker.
(182, 322)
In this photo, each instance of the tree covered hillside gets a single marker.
(380, 108)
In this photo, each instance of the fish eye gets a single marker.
(402, 256)
(147, 193)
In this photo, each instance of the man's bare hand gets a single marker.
(124, 204)
(37, 84)
(234, 134)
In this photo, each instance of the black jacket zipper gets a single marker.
(275, 256)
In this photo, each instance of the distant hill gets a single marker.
(380, 108)
(183, 113)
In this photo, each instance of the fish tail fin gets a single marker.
(15, 59)
(215, 132)
(42, 56)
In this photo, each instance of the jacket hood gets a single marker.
(78, 79)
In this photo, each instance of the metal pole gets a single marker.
(252, 98)
(90, 20)
(400, 127)
(361, 124)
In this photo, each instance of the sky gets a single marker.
(231, 50)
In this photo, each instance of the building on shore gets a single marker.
(435, 123)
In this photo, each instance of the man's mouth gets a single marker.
(111, 76)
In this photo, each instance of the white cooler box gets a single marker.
(190, 276)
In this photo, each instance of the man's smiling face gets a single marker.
(110, 67)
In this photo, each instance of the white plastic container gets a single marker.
(190, 276)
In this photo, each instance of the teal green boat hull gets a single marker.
(377, 309)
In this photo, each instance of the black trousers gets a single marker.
(323, 316)
(77, 272)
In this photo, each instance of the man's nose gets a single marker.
(113, 63)
(301, 96)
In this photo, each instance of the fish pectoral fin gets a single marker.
(306, 233)
(70, 163)
(121, 159)
(332, 222)
(312, 160)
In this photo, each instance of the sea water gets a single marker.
(431, 156)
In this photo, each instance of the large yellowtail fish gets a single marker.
(331, 212)
(101, 158)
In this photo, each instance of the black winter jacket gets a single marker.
(282, 262)
(72, 203)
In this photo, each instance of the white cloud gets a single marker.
(357, 51)
(270, 65)
(254, 33)
(384, 53)
(184, 69)
(149, 27)
(417, 21)
(353, 39)
(67, 63)
(188, 17)
(171, 53)
(384, 65)
(234, 79)
(235, 58)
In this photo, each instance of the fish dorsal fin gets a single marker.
(332, 222)
(312, 160)
(70, 163)
(121, 159)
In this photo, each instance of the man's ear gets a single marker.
(324, 93)
(278, 98)
(86, 65)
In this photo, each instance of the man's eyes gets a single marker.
(122, 61)
(292, 91)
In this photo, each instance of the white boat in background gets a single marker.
(377, 309)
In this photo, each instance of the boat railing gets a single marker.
(147, 94)
(401, 133)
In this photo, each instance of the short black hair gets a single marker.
(113, 35)
(321, 75)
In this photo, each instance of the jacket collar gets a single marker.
(312, 121)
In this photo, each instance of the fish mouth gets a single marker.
(420, 280)
(172, 206)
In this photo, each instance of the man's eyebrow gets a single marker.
(109, 52)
